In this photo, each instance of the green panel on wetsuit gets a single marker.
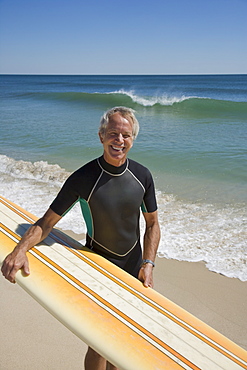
(143, 207)
(87, 216)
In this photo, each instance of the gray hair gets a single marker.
(126, 113)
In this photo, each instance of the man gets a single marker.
(111, 189)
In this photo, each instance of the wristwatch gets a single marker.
(148, 261)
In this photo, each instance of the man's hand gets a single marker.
(146, 275)
(35, 234)
(13, 262)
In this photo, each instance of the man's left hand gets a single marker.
(146, 275)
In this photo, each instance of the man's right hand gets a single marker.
(15, 261)
(36, 233)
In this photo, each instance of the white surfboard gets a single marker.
(132, 326)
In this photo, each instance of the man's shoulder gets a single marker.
(141, 172)
(88, 169)
(136, 166)
(87, 166)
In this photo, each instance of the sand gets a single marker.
(32, 339)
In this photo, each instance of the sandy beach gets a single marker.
(33, 339)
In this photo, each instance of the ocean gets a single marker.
(193, 138)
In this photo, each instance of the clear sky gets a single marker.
(123, 36)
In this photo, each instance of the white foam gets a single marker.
(204, 232)
(151, 101)
(33, 186)
(38, 170)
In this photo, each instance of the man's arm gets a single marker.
(151, 243)
(17, 259)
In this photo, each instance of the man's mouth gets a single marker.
(117, 148)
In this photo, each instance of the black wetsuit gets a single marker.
(110, 199)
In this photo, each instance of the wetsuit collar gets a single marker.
(112, 169)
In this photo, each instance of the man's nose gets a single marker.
(120, 138)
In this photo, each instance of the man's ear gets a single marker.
(101, 137)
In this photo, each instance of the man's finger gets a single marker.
(26, 269)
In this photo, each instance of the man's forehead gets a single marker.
(120, 116)
(119, 128)
(118, 122)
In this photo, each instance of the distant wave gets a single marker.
(150, 101)
(176, 104)
(120, 97)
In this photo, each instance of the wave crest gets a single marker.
(192, 106)
(118, 97)
(151, 101)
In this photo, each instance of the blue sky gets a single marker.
(123, 37)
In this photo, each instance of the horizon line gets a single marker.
(120, 74)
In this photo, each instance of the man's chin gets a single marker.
(115, 159)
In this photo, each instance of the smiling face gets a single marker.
(117, 139)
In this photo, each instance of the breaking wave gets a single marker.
(183, 104)
(39, 171)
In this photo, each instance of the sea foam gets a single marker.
(40, 170)
(211, 233)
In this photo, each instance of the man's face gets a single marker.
(117, 140)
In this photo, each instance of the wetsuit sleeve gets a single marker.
(144, 176)
(149, 203)
(66, 198)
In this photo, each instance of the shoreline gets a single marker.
(35, 339)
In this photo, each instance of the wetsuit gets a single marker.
(110, 199)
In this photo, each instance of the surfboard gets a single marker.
(131, 326)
